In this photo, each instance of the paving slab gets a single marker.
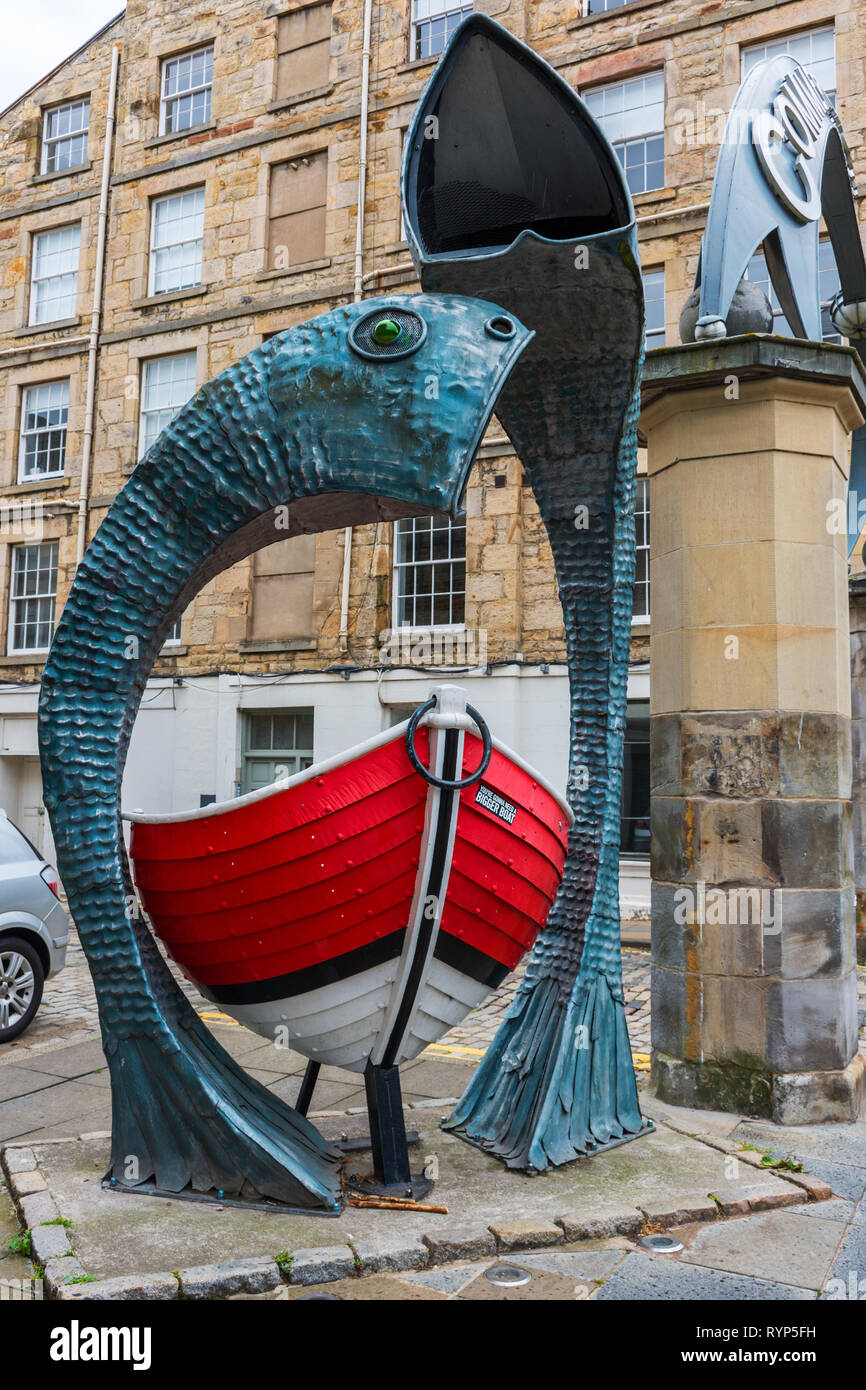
(841, 1144)
(18, 1081)
(543, 1287)
(429, 1078)
(780, 1247)
(586, 1265)
(850, 1263)
(837, 1209)
(70, 1100)
(448, 1280)
(375, 1288)
(115, 1234)
(70, 1062)
(658, 1278)
(329, 1094)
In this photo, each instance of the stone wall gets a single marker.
(244, 297)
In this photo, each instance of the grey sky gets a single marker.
(38, 34)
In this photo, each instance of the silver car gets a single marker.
(34, 929)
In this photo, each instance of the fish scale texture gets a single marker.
(558, 1080)
(298, 418)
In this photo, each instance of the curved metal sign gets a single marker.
(783, 164)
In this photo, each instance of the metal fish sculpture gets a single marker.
(511, 192)
(370, 412)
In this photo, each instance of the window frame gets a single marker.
(645, 135)
(307, 157)
(643, 490)
(249, 755)
(49, 142)
(286, 14)
(808, 30)
(447, 7)
(146, 364)
(648, 346)
(155, 202)
(36, 236)
(15, 551)
(166, 101)
(24, 434)
(640, 712)
(397, 566)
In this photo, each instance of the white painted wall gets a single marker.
(186, 739)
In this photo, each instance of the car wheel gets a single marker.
(21, 979)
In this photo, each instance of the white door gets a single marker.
(32, 817)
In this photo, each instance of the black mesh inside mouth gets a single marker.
(411, 332)
(502, 149)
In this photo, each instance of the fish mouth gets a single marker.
(500, 146)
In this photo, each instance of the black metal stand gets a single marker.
(388, 1138)
(308, 1085)
(387, 1127)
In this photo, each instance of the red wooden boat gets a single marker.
(366, 904)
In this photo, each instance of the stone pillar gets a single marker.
(857, 610)
(754, 986)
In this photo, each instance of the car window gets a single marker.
(13, 845)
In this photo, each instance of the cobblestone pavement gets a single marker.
(69, 1008)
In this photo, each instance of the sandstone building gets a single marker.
(219, 147)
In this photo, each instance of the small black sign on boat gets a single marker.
(490, 800)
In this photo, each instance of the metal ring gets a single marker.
(500, 326)
(442, 782)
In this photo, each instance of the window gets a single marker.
(429, 572)
(433, 23)
(283, 590)
(640, 607)
(64, 136)
(599, 6)
(167, 384)
(276, 744)
(174, 635)
(299, 190)
(186, 90)
(828, 285)
(632, 115)
(34, 591)
(177, 229)
(814, 48)
(44, 414)
(303, 51)
(654, 300)
(54, 281)
(635, 813)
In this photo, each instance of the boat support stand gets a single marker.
(388, 1137)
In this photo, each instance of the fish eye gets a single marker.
(500, 327)
(391, 332)
(386, 331)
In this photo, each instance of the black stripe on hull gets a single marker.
(466, 960)
(326, 972)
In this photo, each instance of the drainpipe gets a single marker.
(362, 151)
(359, 278)
(96, 312)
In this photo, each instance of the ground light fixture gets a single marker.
(661, 1245)
(507, 1276)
